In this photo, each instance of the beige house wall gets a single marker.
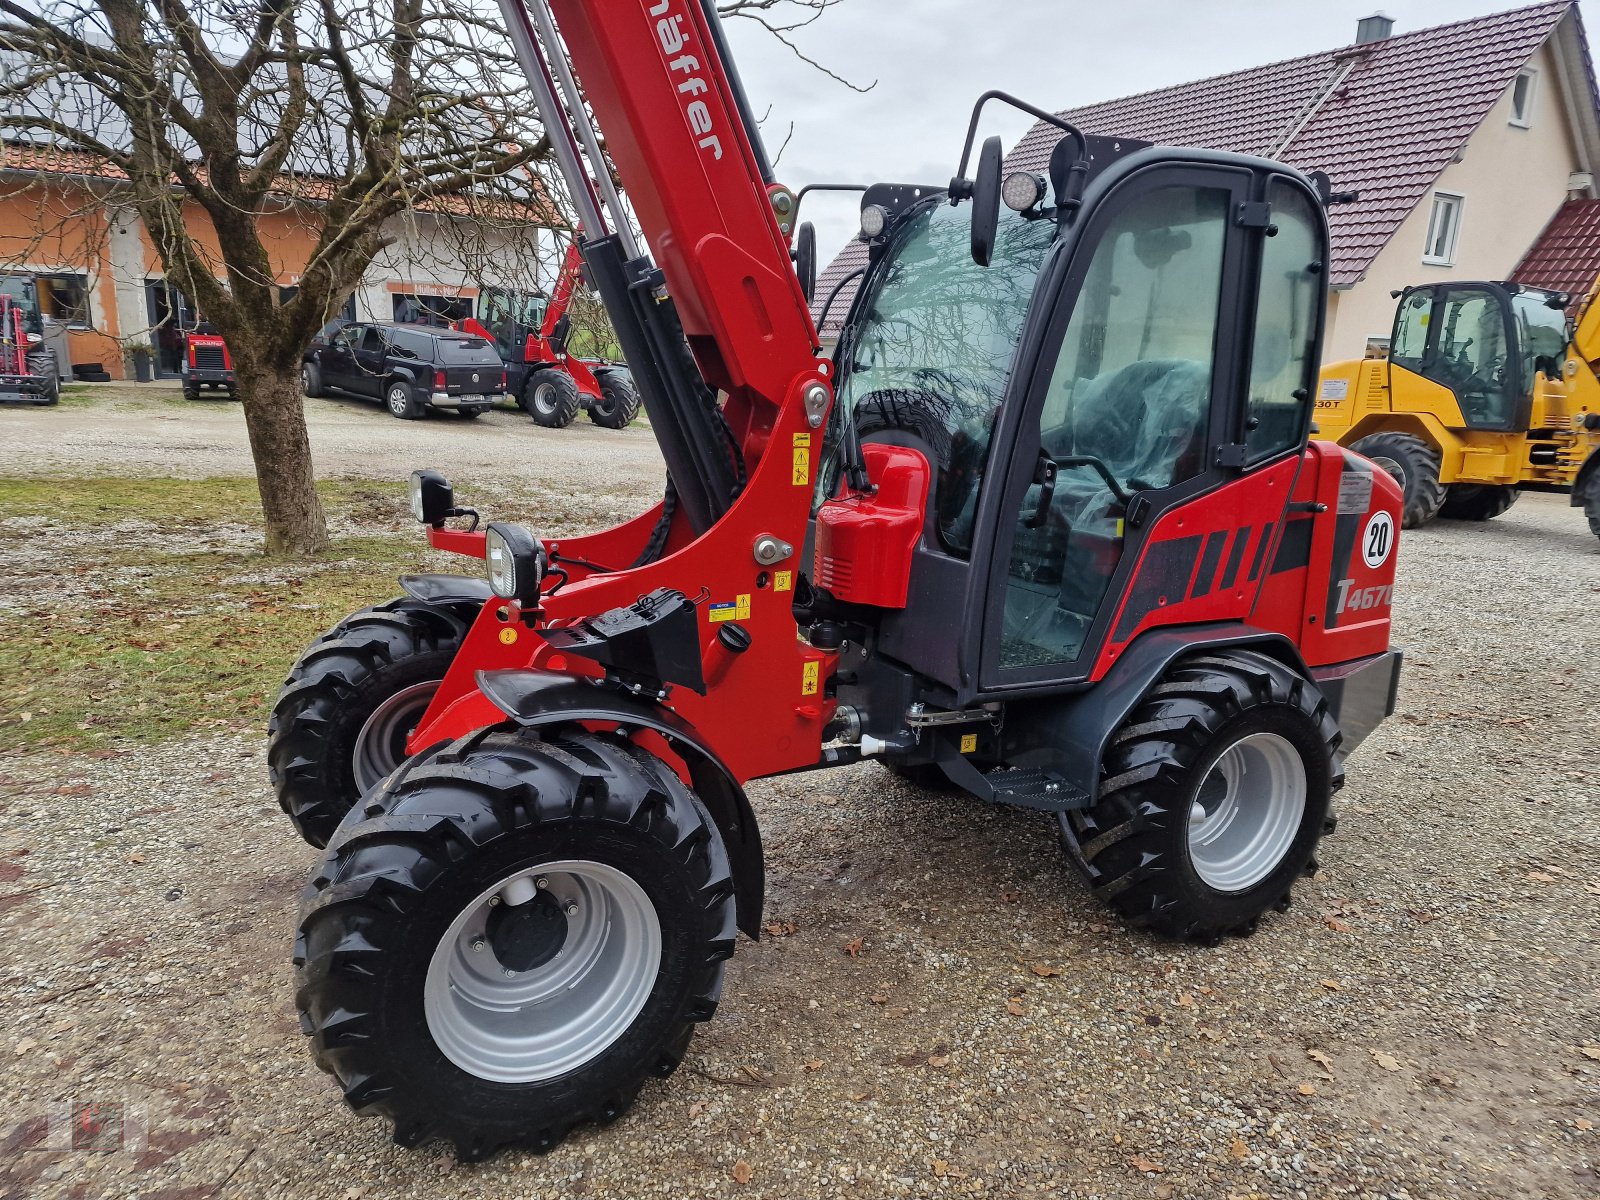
(1513, 180)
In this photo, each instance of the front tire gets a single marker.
(1477, 501)
(551, 397)
(43, 364)
(1414, 465)
(311, 380)
(618, 404)
(340, 723)
(512, 937)
(1215, 792)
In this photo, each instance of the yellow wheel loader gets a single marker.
(1489, 389)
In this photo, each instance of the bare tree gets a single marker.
(213, 120)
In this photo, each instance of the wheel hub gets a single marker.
(1246, 812)
(526, 936)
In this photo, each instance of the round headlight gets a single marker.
(515, 562)
(1022, 190)
(874, 220)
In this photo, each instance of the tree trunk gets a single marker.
(274, 414)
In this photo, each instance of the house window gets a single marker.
(1522, 97)
(1443, 227)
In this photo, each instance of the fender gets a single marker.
(1585, 479)
(536, 698)
(1068, 735)
(465, 594)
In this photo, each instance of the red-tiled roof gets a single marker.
(1566, 258)
(1382, 119)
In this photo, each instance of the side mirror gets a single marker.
(805, 258)
(986, 201)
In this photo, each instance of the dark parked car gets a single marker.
(411, 368)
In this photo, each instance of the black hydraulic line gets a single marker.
(741, 98)
(683, 411)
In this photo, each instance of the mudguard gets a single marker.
(534, 698)
(1067, 735)
(448, 591)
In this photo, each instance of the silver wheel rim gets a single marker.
(522, 1026)
(542, 399)
(1246, 812)
(397, 400)
(380, 745)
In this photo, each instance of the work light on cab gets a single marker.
(432, 498)
(874, 220)
(515, 561)
(1022, 190)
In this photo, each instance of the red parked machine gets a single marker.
(1046, 525)
(28, 371)
(550, 384)
(206, 364)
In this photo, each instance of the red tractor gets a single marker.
(1046, 526)
(28, 371)
(550, 384)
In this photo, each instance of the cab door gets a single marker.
(1145, 394)
(1462, 336)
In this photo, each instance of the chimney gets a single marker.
(1375, 28)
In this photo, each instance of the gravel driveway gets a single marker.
(1422, 1023)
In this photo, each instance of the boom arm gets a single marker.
(561, 296)
(677, 130)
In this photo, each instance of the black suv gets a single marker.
(411, 368)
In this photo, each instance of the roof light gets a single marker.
(874, 220)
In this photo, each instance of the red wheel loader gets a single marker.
(28, 373)
(551, 385)
(1047, 524)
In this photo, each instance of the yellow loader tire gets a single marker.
(1477, 501)
(1591, 508)
(1414, 464)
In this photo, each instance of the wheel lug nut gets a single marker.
(572, 908)
(493, 900)
(509, 973)
(478, 944)
(541, 883)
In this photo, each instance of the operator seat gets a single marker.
(1145, 421)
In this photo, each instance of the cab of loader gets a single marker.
(1486, 343)
(1086, 379)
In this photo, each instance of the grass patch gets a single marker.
(171, 621)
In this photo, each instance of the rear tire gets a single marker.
(413, 984)
(1214, 794)
(1414, 465)
(551, 397)
(338, 726)
(1477, 501)
(1591, 507)
(311, 380)
(43, 364)
(618, 404)
(401, 402)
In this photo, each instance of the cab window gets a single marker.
(1284, 345)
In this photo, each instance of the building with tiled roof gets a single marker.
(1566, 258)
(1460, 140)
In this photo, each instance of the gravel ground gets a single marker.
(1422, 1023)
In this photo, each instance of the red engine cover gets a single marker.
(864, 543)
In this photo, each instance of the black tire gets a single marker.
(311, 380)
(618, 404)
(401, 401)
(454, 824)
(373, 664)
(1414, 464)
(43, 364)
(551, 397)
(1135, 840)
(190, 393)
(1476, 501)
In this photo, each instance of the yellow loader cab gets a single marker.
(1488, 390)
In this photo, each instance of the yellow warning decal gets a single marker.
(802, 460)
(783, 581)
(810, 674)
(508, 635)
(969, 743)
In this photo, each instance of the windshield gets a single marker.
(932, 347)
(20, 288)
(1544, 334)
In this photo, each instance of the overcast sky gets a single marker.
(933, 58)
